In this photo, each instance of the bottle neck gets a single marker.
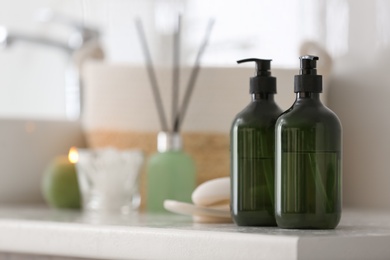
(168, 141)
(308, 96)
(262, 96)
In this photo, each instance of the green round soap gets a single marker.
(59, 184)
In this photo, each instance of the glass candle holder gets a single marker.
(109, 180)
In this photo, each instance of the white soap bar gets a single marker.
(213, 192)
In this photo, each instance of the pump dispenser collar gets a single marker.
(263, 82)
(308, 80)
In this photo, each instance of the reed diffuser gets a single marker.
(171, 172)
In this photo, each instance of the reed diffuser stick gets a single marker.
(176, 71)
(152, 75)
(191, 82)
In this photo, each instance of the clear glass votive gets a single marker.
(109, 180)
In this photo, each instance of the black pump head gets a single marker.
(308, 65)
(262, 66)
(308, 80)
(263, 82)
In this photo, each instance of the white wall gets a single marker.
(359, 94)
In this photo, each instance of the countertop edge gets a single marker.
(119, 242)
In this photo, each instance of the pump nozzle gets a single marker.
(308, 80)
(308, 65)
(262, 66)
(263, 82)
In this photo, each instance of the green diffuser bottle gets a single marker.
(252, 152)
(308, 157)
(170, 173)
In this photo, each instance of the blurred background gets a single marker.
(45, 41)
(32, 82)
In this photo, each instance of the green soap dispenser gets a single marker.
(252, 152)
(308, 157)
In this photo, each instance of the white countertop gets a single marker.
(360, 235)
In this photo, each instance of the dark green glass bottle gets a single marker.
(252, 152)
(308, 157)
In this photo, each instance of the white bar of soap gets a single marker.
(212, 193)
(211, 202)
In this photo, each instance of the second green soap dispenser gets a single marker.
(252, 152)
(308, 157)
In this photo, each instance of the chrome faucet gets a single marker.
(82, 44)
